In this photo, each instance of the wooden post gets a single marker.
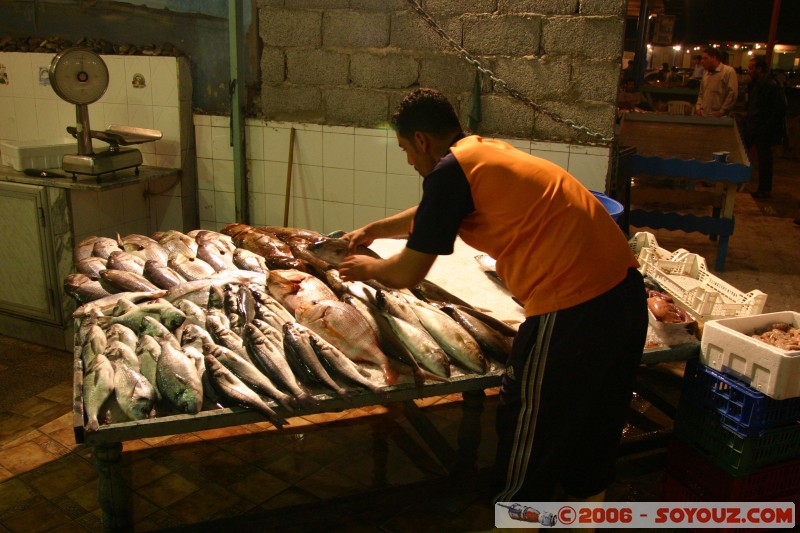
(113, 493)
(773, 30)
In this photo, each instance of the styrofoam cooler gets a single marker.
(727, 346)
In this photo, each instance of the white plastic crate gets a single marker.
(728, 347)
(39, 154)
(686, 278)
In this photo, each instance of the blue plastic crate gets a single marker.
(739, 407)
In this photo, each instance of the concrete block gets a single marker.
(284, 28)
(292, 104)
(459, 7)
(597, 80)
(597, 116)
(260, 4)
(317, 4)
(356, 107)
(379, 5)
(604, 7)
(273, 66)
(595, 37)
(410, 32)
(504, 116)
(511, 35)
(542, 7)
(351, 29)
(536, 77)
(448, 73)
(383, 70)
(306, 66)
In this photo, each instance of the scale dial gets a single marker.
(79, 76)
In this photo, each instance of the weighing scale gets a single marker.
(79, 76)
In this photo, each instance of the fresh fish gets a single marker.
(154, 328)
(103, 246)
(124, 334)
(177, 379)
(148, 350)
(161, 275)
(91, 266)
(230, 305)
(119, 352)
(194, 313)
(232, 389)
(175, 241)
(490, 321)
(83, 288)
(95, 343)
(273, 333)
(122, 281)
(135, 238)
(429, 291)
(394, 304)
(276, 252)
(364, 309)
(247, 260)
(420, 344)
(338, 363)
(299, 248)
(190, 268)
(293, 288)
(98, 385)
(83, 249)
(224, 336)
(217, 256)
(334, 251)
(249, 374)
(147, 251)
(344, 327)
(269, 303)
(107, 303)
(135, 395)
(123, 306)
(493, 343)
(194, 335)
(161, 310)
(85, 325)
(303, 359)
(263, 314)
(220, 240)
(284, 233)
(121, 260)
(272, 362)
(195, 355)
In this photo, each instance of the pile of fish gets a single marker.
(177, 323)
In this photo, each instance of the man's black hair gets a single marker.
(425, 110)
(713, 52)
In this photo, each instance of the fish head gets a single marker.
(332, 251)
(172, 318)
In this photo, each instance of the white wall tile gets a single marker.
(134, 202)
(257, 203)
(205, 173)
(136, 69)
(307, 181)
(97, 117)
(20, 78)
(115, 114)
(588, 150)
(110, 208)
(223, 175)
(397, 162)
(364, 214)
(167, 120)
(168, 211)
(8, 118)
(549, 146)
(225, 206)
(402, 191)
(118, 81)
(520, 144)
(82, 206)
(47, 119)
(372, 132)
(221, 143)
(370, 153)
(308, 213)
(347, 130)
(40, 66)
(168, 160)
(590, 170)
(254, 142)
(206, 209)
(275, 204)
(140, 116)
(337, 216)
(559, 158)
(275, 177)
(338, 150)
(221, 121)
(370, 189)
(6, 89)
(164, 74)
(202, 139)
(308, 147)
(201, 120)
(25, 115)
(256, 176)
(276, 144)
(338, 185)
(66, 116)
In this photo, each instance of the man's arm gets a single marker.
(398, 225)
(402, 270)
(731, 81)
(698, 107)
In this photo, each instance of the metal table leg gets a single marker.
(113, 493)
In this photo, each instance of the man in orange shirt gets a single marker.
(568, 380)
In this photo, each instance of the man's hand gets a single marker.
(357, 267)
(357, 237)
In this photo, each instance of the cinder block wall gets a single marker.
(349, 62)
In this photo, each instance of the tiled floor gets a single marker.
(357, 470)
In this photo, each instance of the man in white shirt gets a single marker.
(719, 88)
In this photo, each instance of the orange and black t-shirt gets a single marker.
(554, 242)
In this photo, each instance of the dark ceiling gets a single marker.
(702, 21)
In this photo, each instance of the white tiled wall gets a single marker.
(342, 177)
(30, 110)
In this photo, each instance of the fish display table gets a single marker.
(458, 273)
(680, 149)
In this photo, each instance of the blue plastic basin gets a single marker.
(614, 208)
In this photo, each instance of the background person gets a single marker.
(719, 87)
(568, 380)
(763, 124)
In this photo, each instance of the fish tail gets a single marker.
(92, 424)
(390, 373)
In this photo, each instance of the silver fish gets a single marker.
(107, 303)
(161, 310)
(148, 350)
(334, 251)
(98, 385)
(235, 391)
(218, 257)
(493, 343)
(83, 249)
(272, 362)
(135, 395)
(194, 335)
(161, 275)
(103, 246)
(293, 288)
(194, 313)
(135, 238)
(303, 359)
(247, 260)
(177, 379)
(273, 333)
(95, 343)
(147, 251)
(338, 363)
(154, 328)
(124, 334)
(220, 240)
(420, 344)
(121, 260)
(249, 374)
(175, 241)
(119, 352)
(85, 325)
(191, 268)
(195, 355)
(224, 336)
(122, 281)
(83, 288)
(91, 266)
